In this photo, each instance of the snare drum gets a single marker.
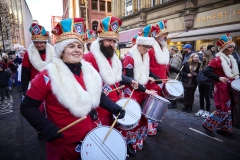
(114, 146)
(172, 89)
(154, 107)
(132, 114)
(235, 104)
(236, 85)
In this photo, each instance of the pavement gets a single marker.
(180, 136)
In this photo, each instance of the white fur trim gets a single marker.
(36, 60)
(145, 40)
(161, 55)
(226, 61)
(110, 74)
(231, 43)
(68, 91)
(59, 46)
(141, 65)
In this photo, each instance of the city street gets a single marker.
(180, 137)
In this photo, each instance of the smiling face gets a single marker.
(229, 50)
(73, 53)
(40, 45)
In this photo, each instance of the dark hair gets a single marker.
(209, 56)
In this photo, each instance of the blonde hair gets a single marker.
(192, 65)
(209, 57)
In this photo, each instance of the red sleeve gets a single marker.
(40, 86)
(213, 63)
(26, 61)
(128, 62)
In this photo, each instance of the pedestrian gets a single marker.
(187, 51)
(204, 85)
(104, 59)
(89, 37)
(39, 54)
(189, 74)
(175, 61)
(71, 89)
(211, 48)
(201, 51)
(222, 70)
(4, 77)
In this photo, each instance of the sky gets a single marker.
(42, 10)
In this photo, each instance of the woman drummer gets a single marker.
(71, 89)
(136, 66)
(223, 69)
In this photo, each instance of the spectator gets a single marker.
(204, 85)
(187, 51)
(212, 49)
(4, 77)
(200, 53)
(189, 74)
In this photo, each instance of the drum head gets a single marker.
(236, 84)
(161, 98)
(174, 87)
(114, 146)
(132, 112)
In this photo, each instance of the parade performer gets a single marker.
(105, 60)
(89, 37)
(136, 65)
(39, 54)
(222, 70)
(71, 88)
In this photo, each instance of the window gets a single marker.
(94, 4)
(153, 3)
(139, 4)
(164, 1)
(82, 12)
(128, 7)
(102, 5)
(109, 6)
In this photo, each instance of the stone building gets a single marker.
(198, 22)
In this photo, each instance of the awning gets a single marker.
(126, 36)
(206, 33)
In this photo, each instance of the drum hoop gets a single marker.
(160, 99)
(103, 126)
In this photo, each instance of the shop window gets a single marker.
(94, 4)
(109, 6)
(102, 5)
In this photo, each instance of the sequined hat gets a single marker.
(225, 41)
(145, 36)
(162, 28)
(109, 28)
(134, 39)
(90, 36)
(38, 33)
(68, 31)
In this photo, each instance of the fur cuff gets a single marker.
(59, 47)
(145, 40)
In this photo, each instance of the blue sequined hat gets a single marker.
(38, 33)
(162, 28)
(224, 41)
(145, 36)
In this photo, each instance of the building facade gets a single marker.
(54, 21)
(15, 21)
(198, 22)
(93, 11)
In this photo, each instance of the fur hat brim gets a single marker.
(145, 41)
(59, 46)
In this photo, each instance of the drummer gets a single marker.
(71, 89)
(222, 70)
(136, 65)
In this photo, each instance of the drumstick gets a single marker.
(115, 121)
(117, 88)
(160, 80)
(233, 76)
(179, 72)
(72, 124)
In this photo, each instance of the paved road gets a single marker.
(174, 140)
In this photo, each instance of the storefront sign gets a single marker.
(221, 16)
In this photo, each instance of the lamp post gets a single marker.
(2, 33)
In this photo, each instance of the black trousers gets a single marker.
(189, 96)
(204, 93)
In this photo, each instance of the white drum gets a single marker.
(132, 114)
(113, 148)
(236, 85)
(172, 89)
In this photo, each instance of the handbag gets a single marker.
(202, 79)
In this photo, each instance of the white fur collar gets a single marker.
(110, 74)
(161, 55)
(141, 65)
(68, 91)
(226, 62)
(36, 60)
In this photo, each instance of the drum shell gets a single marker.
(166, 94)
(174, 90)
(154, 108)
(235, 98)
